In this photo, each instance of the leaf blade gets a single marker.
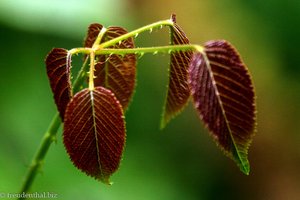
(116, 72)
(92, 33)
(94, 132)
(223, 95)
(58, 65)
(178, 90)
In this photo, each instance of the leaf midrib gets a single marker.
(95, 132)
(245, 168)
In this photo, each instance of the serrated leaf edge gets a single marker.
(241, 160)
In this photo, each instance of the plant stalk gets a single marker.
(141, 50)
(136, 32)
(49, 137)
(155, 50)
(37, 161)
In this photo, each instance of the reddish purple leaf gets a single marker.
(224, 97)
(94, 132)
(178, 90)
(93, 32)
(115, 72)
(58, 64)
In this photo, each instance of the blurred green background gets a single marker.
(182, 161)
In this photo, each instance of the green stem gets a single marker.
(49, 137)
(99, 37)
(82, 74)
(37, 161)
(92, 69)
(141, 50)
(154, 50)
(136, 32)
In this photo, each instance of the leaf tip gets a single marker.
(242, 162)
(163, 122)
(173, 17)
(245, 168)
(104, 180)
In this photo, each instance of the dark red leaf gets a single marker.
(58, 63)
(93, 32)
(115, 72)
(223, 94)
(94, 132)
(178, 91)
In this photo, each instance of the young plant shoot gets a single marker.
(94, 131)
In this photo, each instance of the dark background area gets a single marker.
(181, 161)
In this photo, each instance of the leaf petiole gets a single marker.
(92, 70)
(99, 37)
(140, 50)
(101, 49)
(160, 49)
(136, 32)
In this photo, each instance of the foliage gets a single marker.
(94, 128)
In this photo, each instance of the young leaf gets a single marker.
(94, 132)
(114, 72)
(118, 73)
(93, 32)
(178, 90)
(223, 95)
(58, 63)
